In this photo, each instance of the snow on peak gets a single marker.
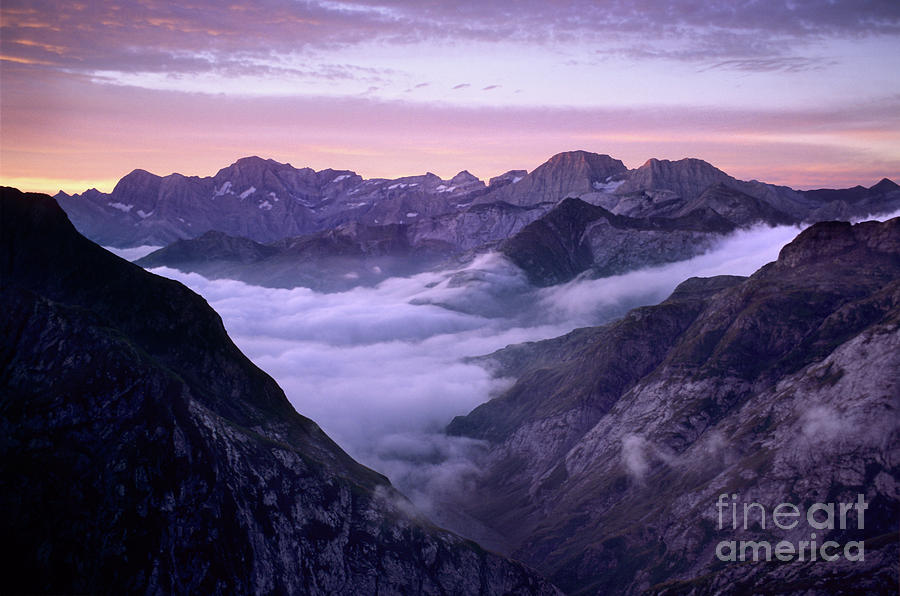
(341, 177)
(248, 192)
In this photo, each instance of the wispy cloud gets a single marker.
(162, 36)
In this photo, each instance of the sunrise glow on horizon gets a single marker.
(805, 94)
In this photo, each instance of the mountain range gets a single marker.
(368, 230)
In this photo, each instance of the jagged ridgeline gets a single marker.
(141, 452)
(330, 230)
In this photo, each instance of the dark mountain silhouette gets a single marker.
(140, 451)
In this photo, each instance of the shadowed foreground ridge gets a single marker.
(140, 451)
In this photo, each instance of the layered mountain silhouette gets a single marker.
(268, 202)
(142, 452)
(609, 453)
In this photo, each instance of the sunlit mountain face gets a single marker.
(354, 297)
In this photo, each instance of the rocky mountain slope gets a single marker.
(609, 454)
(141, 452)
(576, 236)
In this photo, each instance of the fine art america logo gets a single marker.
(819, 517)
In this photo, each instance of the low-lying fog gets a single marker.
(381, 369)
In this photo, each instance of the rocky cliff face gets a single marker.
(141, 452)
(610, 452)
(575, 237)
(564, 175)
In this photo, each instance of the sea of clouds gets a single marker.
(382, 369)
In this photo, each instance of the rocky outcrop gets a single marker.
(687, 178)
(576, 237)
(853, 202)
(737, 207)
(141, 452)
(610, 452)
(564, 175)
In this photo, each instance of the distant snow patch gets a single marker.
(121, 207)
(265, 206)
(445, 188)
(341, 177)
(224, 189)
(248, 192)
(143, 214)
(608, 186)
(412, 214)
(517, 178)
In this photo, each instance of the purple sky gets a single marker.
(800, 93)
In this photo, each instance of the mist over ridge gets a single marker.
(383, 369)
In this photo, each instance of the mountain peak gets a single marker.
(255, 160)
(464, 177)
(687, 177)
(885, 185)
(138, 183)
(587, 157)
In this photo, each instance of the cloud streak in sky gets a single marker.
(201, 35)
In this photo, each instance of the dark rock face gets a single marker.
(609, 453)
(575, 237)
(140, 451)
